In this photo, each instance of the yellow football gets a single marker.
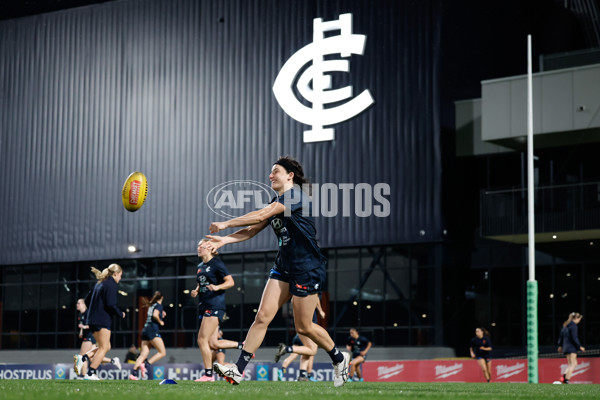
(134, 191)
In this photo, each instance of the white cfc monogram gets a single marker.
(345, 44)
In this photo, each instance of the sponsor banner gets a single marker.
(451, 371)
(460, 370)
(321, 371)
(586, 371)
(27, 371)
(468, 370)
(509, 370)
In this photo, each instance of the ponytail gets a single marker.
(485, 331)
(572, 316)
(147, 303)
(112, 269)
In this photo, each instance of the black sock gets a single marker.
(289, 349)
(336, 356)
(303, 373)
(208, 372)
(91, 371)
(85, 358)
(244, 359)
(135, 373)
(240, 345)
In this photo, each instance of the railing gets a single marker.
(558, 208)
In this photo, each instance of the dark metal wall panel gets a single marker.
(182, 91)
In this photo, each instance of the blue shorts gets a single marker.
(486, 358)
(354, 355)
(96, 328)
(302, 284)
(212, 313)
(150, 333)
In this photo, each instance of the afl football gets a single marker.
(134, 191)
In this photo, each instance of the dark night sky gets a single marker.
(480, 39)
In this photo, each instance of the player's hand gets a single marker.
(164, 314)
(215, 243)
(123, 312)
(322, 314)
(559, 350)
(194, 293)
(212, 288)
(582, 348)
(80, 336)
(217, 227)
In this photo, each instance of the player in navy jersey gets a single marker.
(481, 346)
(359, 346)
(102, 306)
(86, 337)
(151, 337)
(88, 348)
(213, 280)
(569, 345)
(299, 270)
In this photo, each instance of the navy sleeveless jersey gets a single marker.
(150, 321)
(477, 343)
(296, 234)
(211, 272)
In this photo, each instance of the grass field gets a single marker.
(252, 390)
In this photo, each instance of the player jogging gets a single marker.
(359, 346)
(102, 306)
(213, 280)
(568, 344)
(151, 338)
(481, 346)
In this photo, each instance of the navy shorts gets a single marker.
(302, 284)
(487, 358)
(296, 341)
(212, 313)
(354, 355)
(150, 333)
(88, 337)
(96, 328)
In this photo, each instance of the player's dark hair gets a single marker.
(485, 331)
(147, 303)
(292, 165)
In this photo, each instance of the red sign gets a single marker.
(468, 370)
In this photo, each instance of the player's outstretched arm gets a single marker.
(217, 242)
(250, 219)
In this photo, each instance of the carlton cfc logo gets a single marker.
(320, 92)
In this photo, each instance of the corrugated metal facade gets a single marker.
(182, 90)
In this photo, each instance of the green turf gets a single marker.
(147, 390)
